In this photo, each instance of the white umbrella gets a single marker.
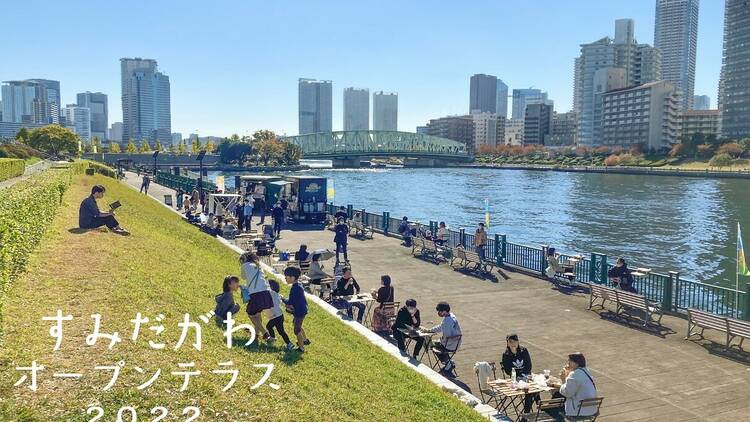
(324, 254)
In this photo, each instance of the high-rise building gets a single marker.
(97, 103)
(502, 99)
(641, 64)
(701, 102)
(315, 106)
(676, 36)
(483, 94)
(35, 101)
(524, 97)
(537, 123)
(734, 88)
(78, 119)
(645, 115)
(705, 122)
(385, 111)
(489, 129)
(514, 132)
(563, 130)
(176, 138)
(356, 109)
(115, 132)
(146, 103)
(457, 128)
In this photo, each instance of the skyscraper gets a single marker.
(35, 101)
(96, 102)
(385, 110)
(537, 123)
(701, 102)
(115, 132)
(315, 106)
(524, 97)
(676, 36)
(483, 94)
(78, 119)
(356, 109)
(501, 109)
(146, 104)
(734, 94)
(641, 64)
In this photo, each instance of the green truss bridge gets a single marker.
(348, 148)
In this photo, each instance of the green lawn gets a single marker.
(168, 267)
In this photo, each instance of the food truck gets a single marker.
(307, 198)
(257, 186)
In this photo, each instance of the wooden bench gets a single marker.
(627, 301)
(733, 328)
(427, 249)
(602, 292)
(471, 261)
(360, 229)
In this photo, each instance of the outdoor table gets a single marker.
(510, 398)
(641, 272)
(365, 298)
(421, 332)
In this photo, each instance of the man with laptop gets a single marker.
(89, 216)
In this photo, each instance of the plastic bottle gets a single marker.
(513, 375)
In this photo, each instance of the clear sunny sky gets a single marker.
(234, 65)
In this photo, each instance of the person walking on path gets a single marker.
(248, 212)
(146, 182)
(340, 238)
(278, 218)
(480, 240)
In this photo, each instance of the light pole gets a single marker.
(156, 154)
(200, 157)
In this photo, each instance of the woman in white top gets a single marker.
(578, 384)
(257, 289)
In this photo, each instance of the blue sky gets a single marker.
(234, 65)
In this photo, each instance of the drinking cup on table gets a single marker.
(546, 373)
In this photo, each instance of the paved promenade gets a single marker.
(643, 376)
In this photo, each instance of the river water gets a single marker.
(660, 222)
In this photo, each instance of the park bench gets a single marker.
(602, 292)
(731, 327)
(737, 328)
(360, 229)
(470, 261)
(627, 302)
(427, 249)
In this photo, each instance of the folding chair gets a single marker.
(541, 414)
(593, 402)
(488, 395)
(436, 351)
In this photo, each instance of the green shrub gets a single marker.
(26, 210)
(18, 151)
(11, 167)
(98, 168)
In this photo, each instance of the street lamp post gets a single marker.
(200, 157)
(156, 154)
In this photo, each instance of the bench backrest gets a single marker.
(459, 253)
(429, 244)
(472, 256)
(705, 319)
(631, 299)
(738, 328)
(602, 291)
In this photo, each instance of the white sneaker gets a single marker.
(271, 339)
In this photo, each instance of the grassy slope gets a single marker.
(168, 267)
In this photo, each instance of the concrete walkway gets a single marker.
(643, 376)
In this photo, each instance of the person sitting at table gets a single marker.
(302, 254)
(517, 357)
(383, 295)
(441, 236)
(450, 339)
(347, 286)
(89, 216)
(407, 318)
(621, 276)
(578, 384)
(316, 273)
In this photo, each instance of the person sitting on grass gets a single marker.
(449, 341)
(383, 295)
(225, 302)
(276, 316)
(347, 286)
(407, 318)
(89, 216)
(297, 305)
(258, 291)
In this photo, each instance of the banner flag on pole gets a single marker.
(741, 263)
(487, 212)
(330, 191)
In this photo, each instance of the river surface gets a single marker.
(660, 222)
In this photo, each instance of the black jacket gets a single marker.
(342, 230)
(403, 319)
(342, 291)
(521, 360)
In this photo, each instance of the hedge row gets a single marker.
(26, 210)
(102, 169)
(11, 167)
